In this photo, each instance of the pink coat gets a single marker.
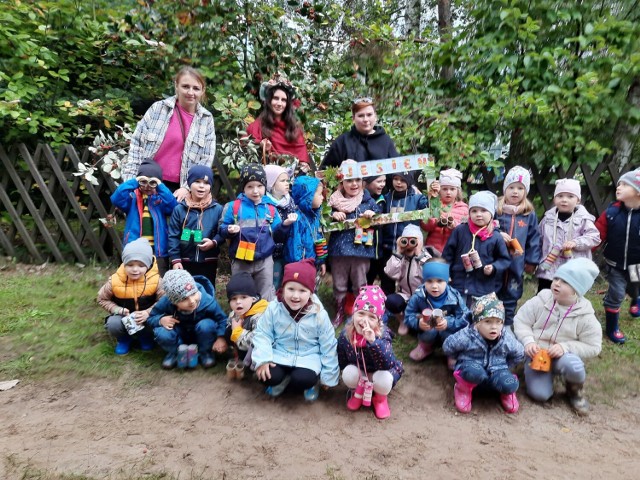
(407, 272)
(437, 236)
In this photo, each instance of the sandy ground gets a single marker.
(200, 425)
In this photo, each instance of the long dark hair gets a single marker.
(267, 117)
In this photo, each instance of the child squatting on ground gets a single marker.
(147, 202)
(370, 368)
(559, 329)
(129, 294)
(436, 310)
(294, 346)
(193, 228)
(619, 227)
(484, 352)
(188, 314)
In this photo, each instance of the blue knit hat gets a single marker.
(437, 270)
(580, 273)
(198, 172)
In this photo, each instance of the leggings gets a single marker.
(301, 378)
(382, 379)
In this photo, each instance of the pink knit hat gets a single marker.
(370, 299)
(568, 185)
(273, 172)
(450, 178)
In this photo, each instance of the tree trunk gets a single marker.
(625, 135)
(412, 17)
(444, 29)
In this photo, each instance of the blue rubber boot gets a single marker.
(634, 309)
(123, 345)
(146, 341)
(170, 360)
(312, 394)
(612, 330)
(276, 390)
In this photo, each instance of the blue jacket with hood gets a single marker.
(306, 230)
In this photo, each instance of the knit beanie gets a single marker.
(252, 172)
(139, 250)
(303, 272)
(580, 273)
(484, 199)
(412, 230)
(632, 178)
(370, 299)
(178, 285)
(450, 178)
(436, 270)
(517, 174)
(372, 178)
(352, 165)
(198, 172)
(273, 172)
(150, 169)
(406, 176)
(568, 185)
(242, 283)
(487, 306)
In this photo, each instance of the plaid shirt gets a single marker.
(199, 147)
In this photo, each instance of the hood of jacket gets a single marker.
(303, 190)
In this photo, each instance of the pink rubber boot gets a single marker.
(462, 393)
(510, 402)
(381, 406)
(422, 351)
(355, 402)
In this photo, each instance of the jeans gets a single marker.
(540, 384)
(113, 324)
(617, 288)
(502, 381)
(433, 336)
(203, 333)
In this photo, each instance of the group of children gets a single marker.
(458, 292)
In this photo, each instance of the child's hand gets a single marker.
(368, 214)
(168, 322)
(424, 324)
(556, 351)
(124, 311)
(206, 244)
(141, 316)
(569, 245)
(531, 349)
(488, 270)
(292, 217)
(506, 237)
(434, 189)
(442, 324)
(323, 270)
(233, 229)
(263, 373)
(220, 345)
(401, 248)
(339, 216)
(369, 334)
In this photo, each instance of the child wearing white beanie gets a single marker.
(559, 330)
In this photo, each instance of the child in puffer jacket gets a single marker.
(422, 311)
(306, 239)
(405, 268)
(370, 368)
(194, 242)
(484, 353)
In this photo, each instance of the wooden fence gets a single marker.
(50, 214)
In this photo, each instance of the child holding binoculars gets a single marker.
(453, 211)
(435, 310)
(252, 224)
(193, 228)
(147, 202)
(559, 329)
(519, 228)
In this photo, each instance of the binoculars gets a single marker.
(471, 261)
(235, 369)
(408, 241)
(246, 251)
(447, 222)
(187, 234)
(432, 316)
(152, 182)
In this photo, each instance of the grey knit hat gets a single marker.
(484, 199)
(138, 250)
(178, 285)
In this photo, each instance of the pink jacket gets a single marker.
(437, 236)
(407, 272)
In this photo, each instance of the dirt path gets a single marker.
(197, 425)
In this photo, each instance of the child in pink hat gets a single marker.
(365, 355)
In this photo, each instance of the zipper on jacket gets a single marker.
(626, 240)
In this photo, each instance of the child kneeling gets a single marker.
(559, 329)
(294, 344)
(188, 313)
(484, 353)
(370, 368)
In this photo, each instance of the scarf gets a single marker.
(339, 202)
(482, 232)
(200, 205)
(512, 209)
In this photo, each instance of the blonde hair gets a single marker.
(194, 73)
(527, 206)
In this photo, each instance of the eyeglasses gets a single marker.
(359, 100)
(152, 182)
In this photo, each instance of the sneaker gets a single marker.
(312, 394)
(170, 360)
(123, 345)
(276, 390)
(207, 359)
